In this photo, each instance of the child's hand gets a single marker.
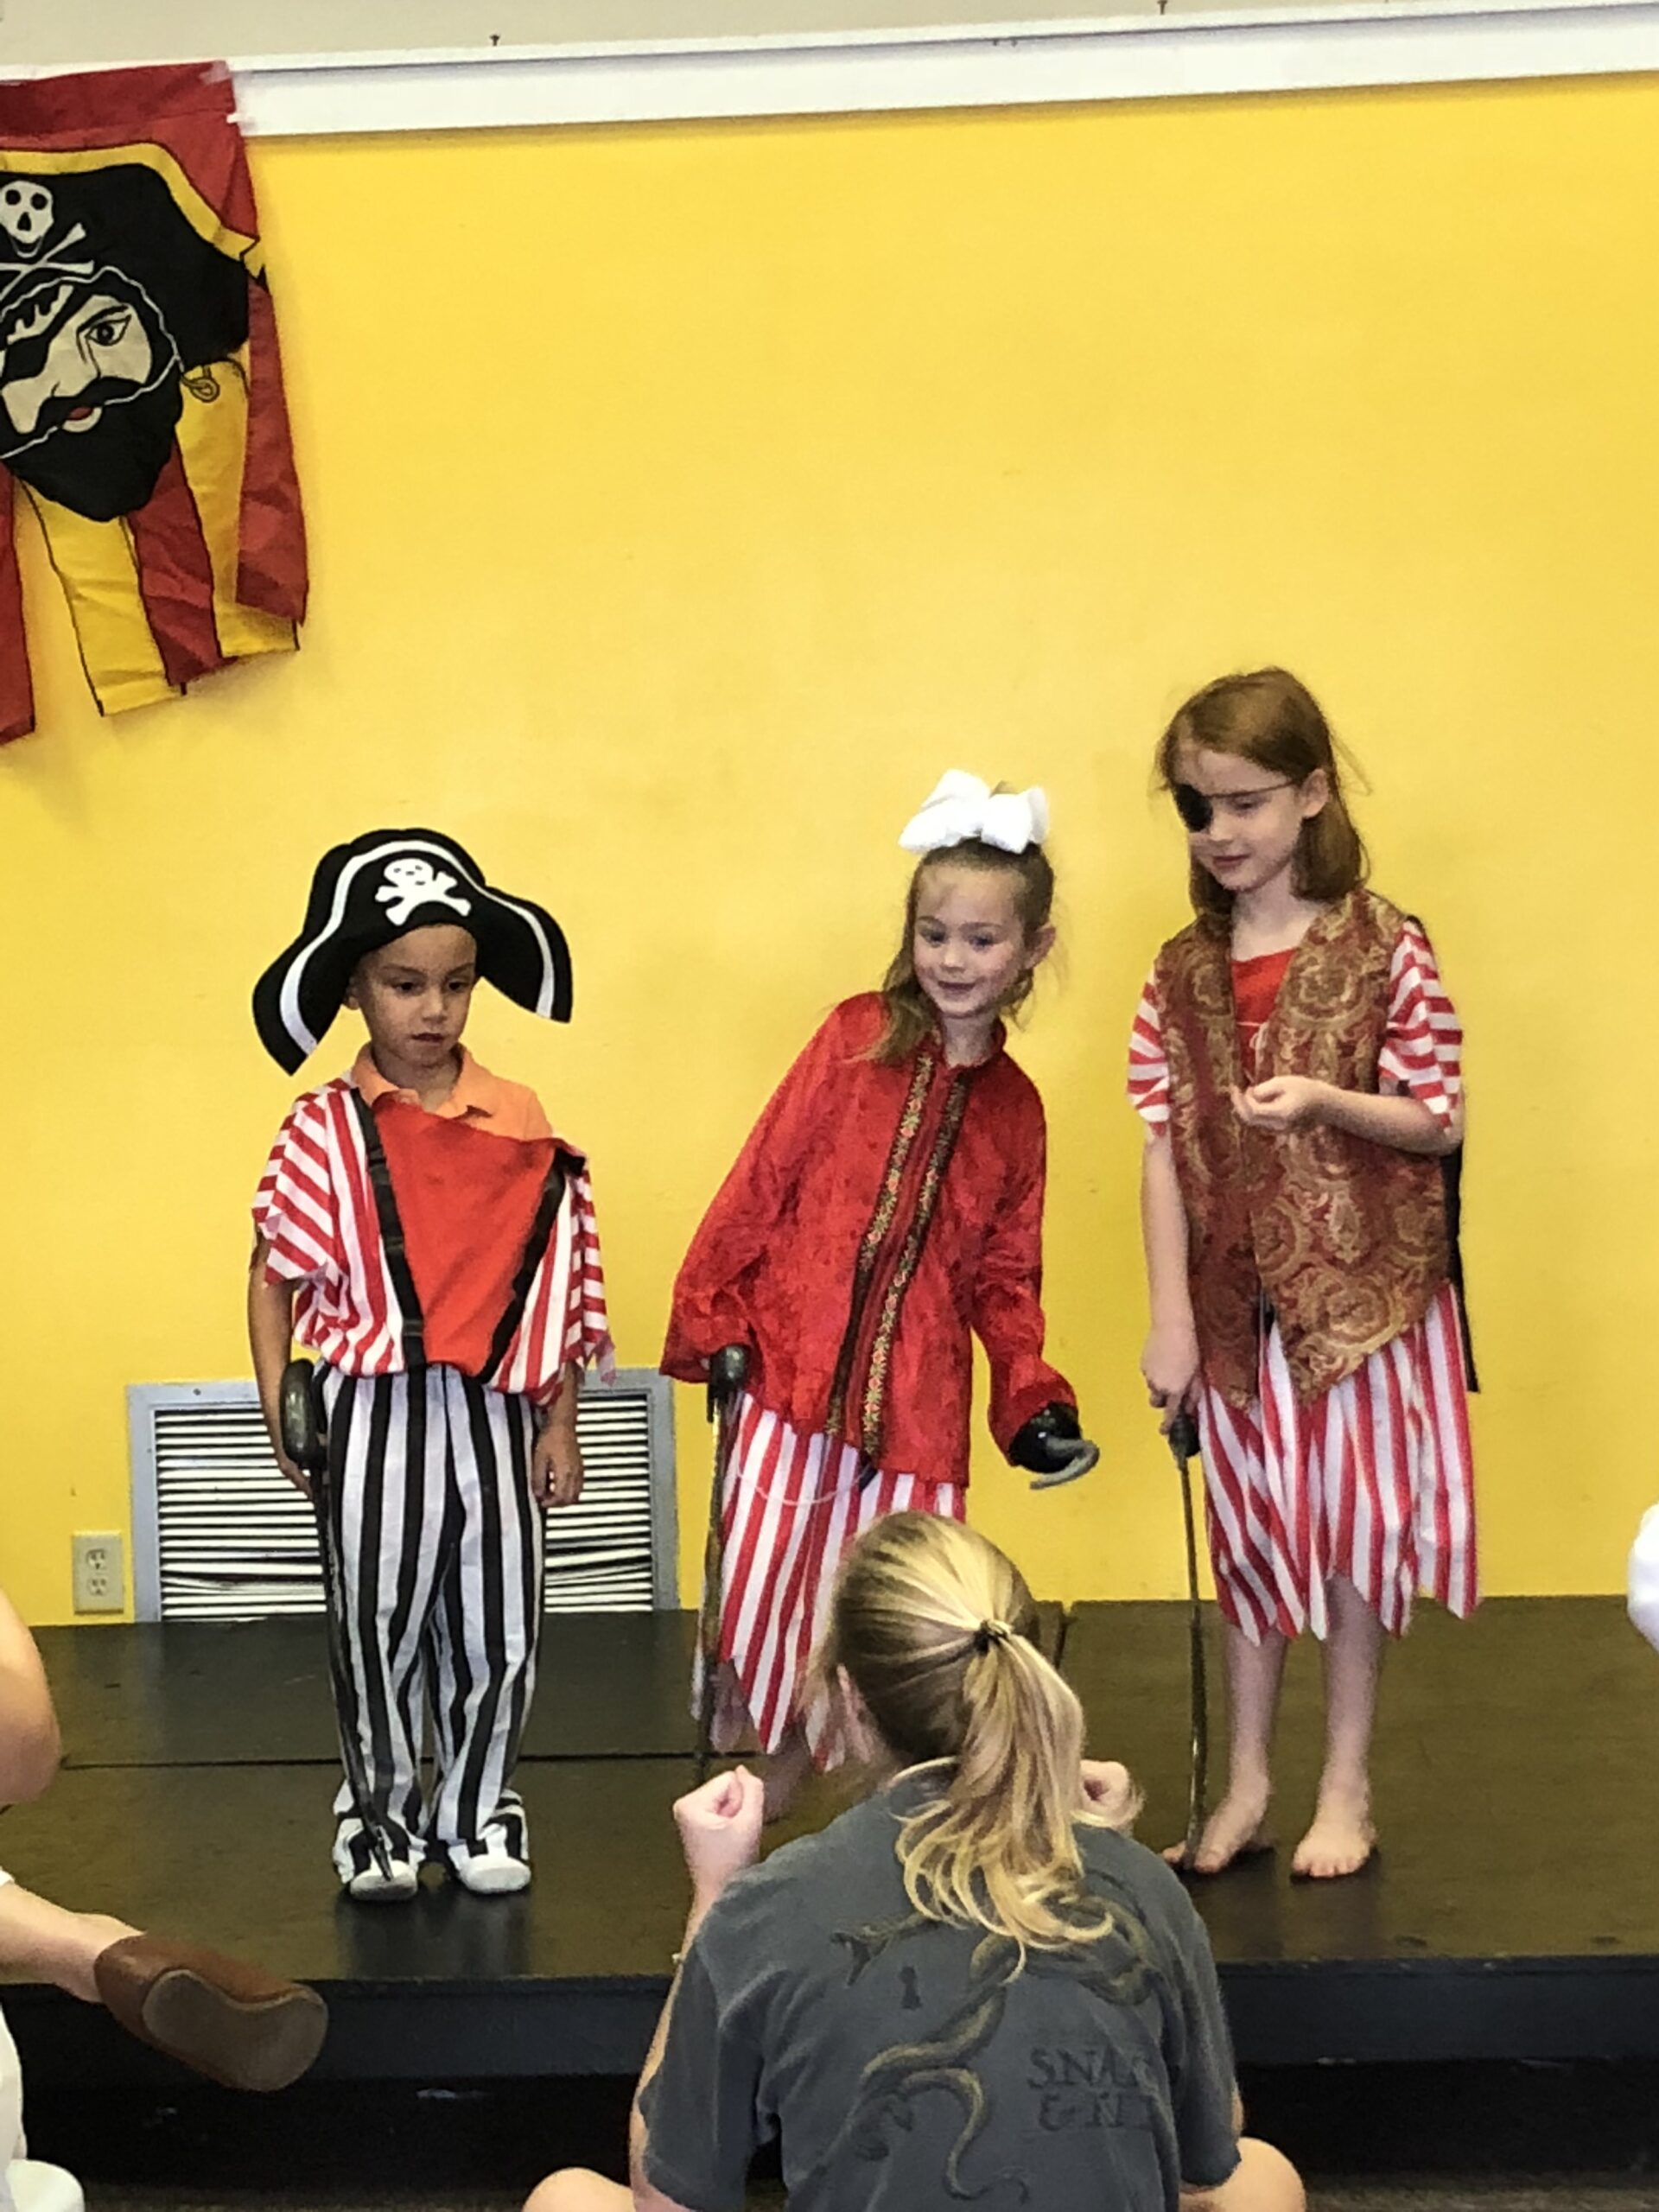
(1170, 1364)
(555, 1472)
(720, 1830)
(297, 1476)
(1282, 1104)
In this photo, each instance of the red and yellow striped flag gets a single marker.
(141, 395)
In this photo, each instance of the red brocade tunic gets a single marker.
(877, 1217)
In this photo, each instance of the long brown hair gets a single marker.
(936, 1631)
(910, 1016)
(1269, 717)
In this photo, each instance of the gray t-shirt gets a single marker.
(904, 2067)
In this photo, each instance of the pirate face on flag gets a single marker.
(140, 400)
(379, 887)
(109, 300)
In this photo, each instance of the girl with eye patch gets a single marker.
(1296, 1062)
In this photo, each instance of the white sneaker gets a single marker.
(492, 1873)
(375, 1888)
(503, 1865)
(358, 1875)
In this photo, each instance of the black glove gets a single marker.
(728, 1370)
(1053, 1446)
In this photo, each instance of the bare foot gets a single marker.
(1341, 1839)
(786, 1769)
(1235, 1828)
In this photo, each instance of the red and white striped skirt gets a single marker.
(791, 1507)
(1373, 1481)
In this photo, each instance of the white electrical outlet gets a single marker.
(100, 1574)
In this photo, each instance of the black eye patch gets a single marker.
(1194, 809)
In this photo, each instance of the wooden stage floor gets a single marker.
(1512, 1914)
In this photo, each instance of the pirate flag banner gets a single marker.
(141, 394)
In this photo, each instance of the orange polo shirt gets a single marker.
(490, 1103)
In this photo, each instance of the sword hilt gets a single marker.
(728, 1370)
(1183, 1438)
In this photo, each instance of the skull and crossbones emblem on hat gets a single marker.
(409, 884)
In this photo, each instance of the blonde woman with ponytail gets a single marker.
(972, 1986)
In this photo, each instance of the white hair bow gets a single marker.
(961, 806)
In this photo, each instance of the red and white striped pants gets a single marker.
(1373, 1481)
(790, 1506)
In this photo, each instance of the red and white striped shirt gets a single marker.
(314, 1208)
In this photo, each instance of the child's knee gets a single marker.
(549, 2195)
(1273, 2184)
(1263, 2180)
(576, 2189)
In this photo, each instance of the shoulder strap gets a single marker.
(391, 1234)
(562, 1165)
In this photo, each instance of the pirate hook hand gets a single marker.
(728, 1370)
(1051, 1446)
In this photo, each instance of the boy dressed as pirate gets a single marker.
(422, 1232)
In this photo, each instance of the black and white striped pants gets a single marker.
(439, 1549)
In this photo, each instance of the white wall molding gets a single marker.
(1125, 57)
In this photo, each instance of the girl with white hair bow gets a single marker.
(886, 1207)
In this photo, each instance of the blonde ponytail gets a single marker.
(936, 1632)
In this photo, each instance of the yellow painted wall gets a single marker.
(683, 500)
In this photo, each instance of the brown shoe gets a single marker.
(235, 2024)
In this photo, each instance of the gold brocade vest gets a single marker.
(1344, 1240)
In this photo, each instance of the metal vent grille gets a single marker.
(218, 1533)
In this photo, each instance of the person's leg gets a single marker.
(846, 1496)
(1239, 1821)
(787, 1769)
(1342, 1837)
(1263, 2180)
(44, 1941)
(12, 2146)
(234, 2023)
(578, 2190)
(731, 1731)
(376, 1504)
(486, 1634)
(771, 1510)
(1251, 1465)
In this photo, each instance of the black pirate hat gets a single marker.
(381, 884)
